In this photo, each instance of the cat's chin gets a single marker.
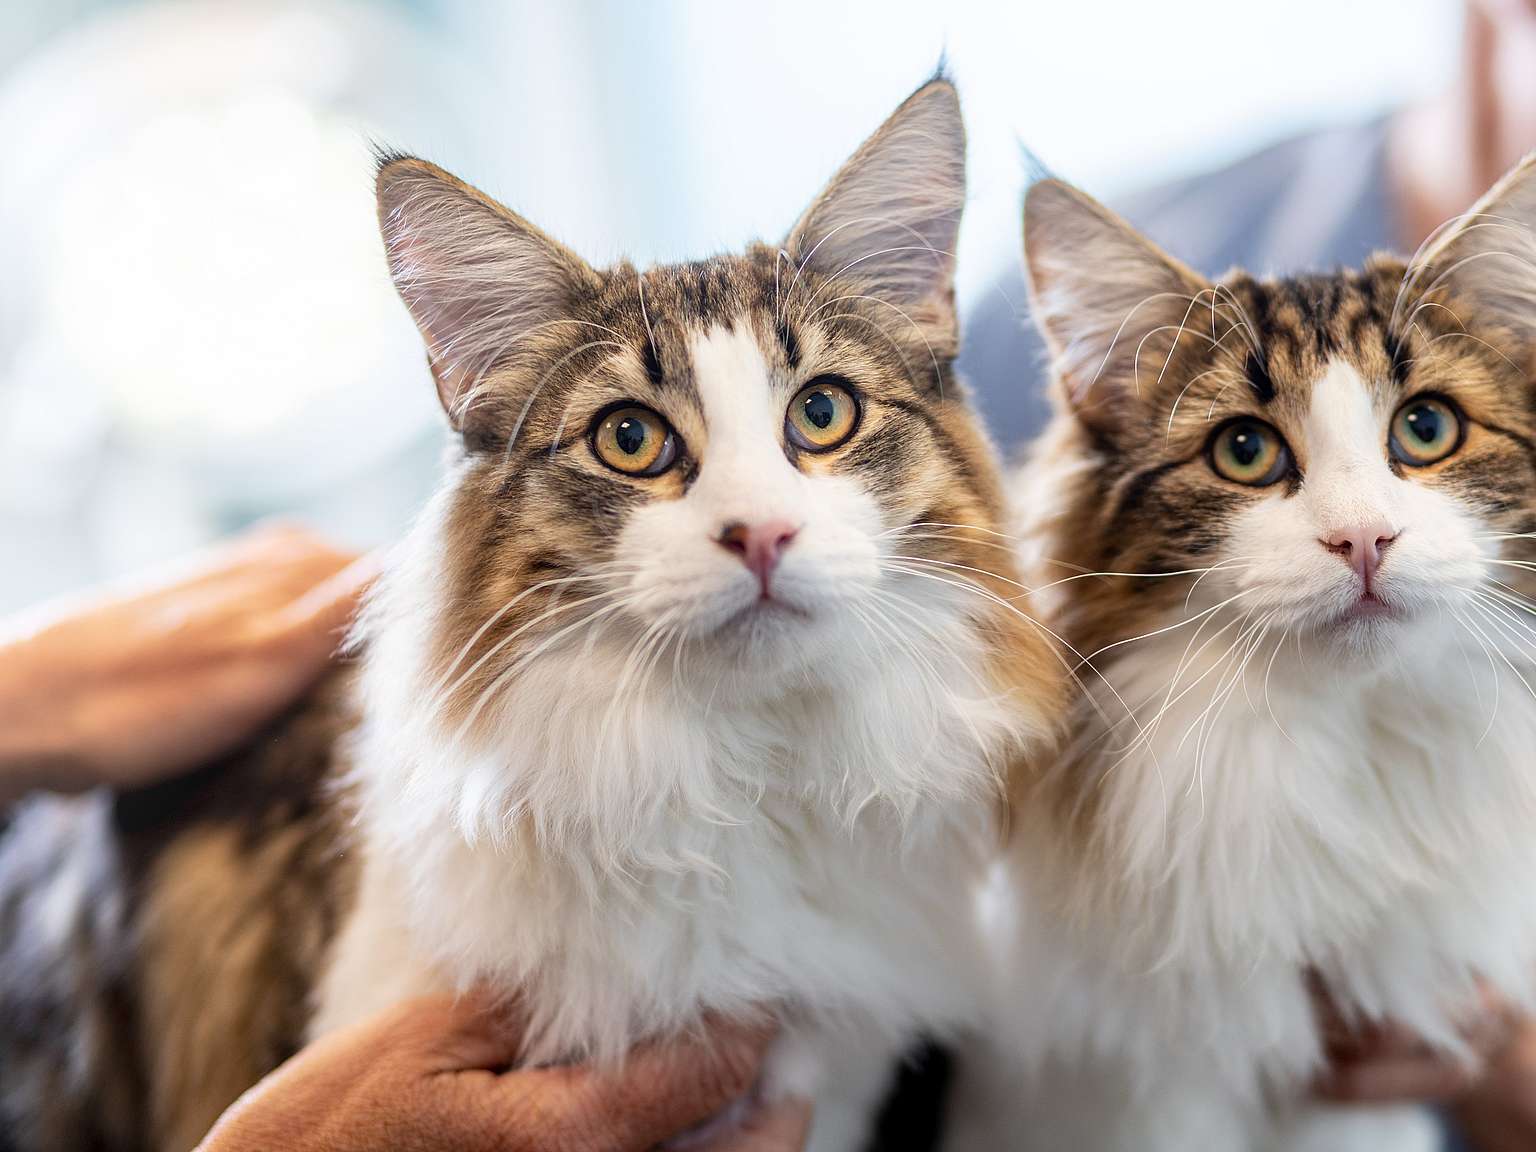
(771, 646)
(1366, 635)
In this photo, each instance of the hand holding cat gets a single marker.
(1493, 1100)
(432, 1074)
(128, 688)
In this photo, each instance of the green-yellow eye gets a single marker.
(1250, 452)
(1425, 431)
(822, 415)
(634, 440)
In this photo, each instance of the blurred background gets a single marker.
(196, 328)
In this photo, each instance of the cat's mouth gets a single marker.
(767, 607)
(1369, 606)
(766, 614)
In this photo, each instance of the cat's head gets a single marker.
(735, 477)
(1348, 459)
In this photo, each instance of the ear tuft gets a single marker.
(1035, 169)
(892, 213)
(1107, 300)
(475, 276)
(1485, 258)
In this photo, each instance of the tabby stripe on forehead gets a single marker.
(790, 341)
(1325, 308)
(1399, 364)
(1262, 301)
(651, 361)
(1258, 378)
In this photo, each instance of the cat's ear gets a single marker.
(474, 275)
(1108, 301)
(891, 215)
(1486, 258)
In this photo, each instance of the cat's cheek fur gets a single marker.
(684, 581)
(1273, 560)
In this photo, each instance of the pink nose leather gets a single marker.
(1362, 547)
(759, 546)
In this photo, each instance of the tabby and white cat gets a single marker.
(688, 693)
(1290, 523)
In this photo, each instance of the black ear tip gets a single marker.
(941, 72)
(397, 174)
(938, 90)
(384, 155)
(1035, 169)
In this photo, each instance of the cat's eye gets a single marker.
(1250, 452)
(822, 415)
(1425, 431)
(634, 440)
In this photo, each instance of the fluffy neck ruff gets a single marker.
(630, 853)
(1290, 806)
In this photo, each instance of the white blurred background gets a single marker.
(196, 329)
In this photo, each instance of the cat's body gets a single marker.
(680, 698)
(1274, 773)
(1188, 1001)
(768, 887)
(158, 948)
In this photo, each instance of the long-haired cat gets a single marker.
(689, 692)
(1288, 525)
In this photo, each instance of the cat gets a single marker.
(1287, 525)
(691, 691)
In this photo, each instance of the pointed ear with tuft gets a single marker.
(891, 215)
(475, 276)
(1108, 301)
(1485, 259)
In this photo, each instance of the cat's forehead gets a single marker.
(1304, 324)
(660, 315)
(694, 294)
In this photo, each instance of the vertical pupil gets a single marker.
(1245, 447)
(820, 410)
(629, 436)
(1425, 423)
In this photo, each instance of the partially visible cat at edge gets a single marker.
(1290, 524)
(692, 691)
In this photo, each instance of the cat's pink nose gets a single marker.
(758, 545)
(1362, 547)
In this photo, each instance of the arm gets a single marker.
(437, 1074)
(1492, 1099)
(132, 685)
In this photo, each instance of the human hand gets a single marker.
(1382, 1062)
(434, 1075)
(1492, 1099)
(132, 685)
(1498, 1113)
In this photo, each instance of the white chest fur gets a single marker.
(1377, 826)
(630, 860)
